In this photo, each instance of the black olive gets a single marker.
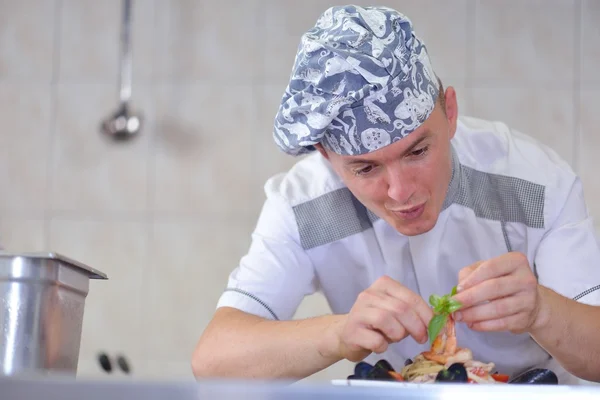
(408, 362)
(539, 376)
(362, 369)
(454, 374)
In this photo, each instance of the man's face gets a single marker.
(405, 183)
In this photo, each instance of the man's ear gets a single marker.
(322, 150)
(451, 109)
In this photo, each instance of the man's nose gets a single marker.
(400, 187)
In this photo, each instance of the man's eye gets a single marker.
(420, 152)
(364, 170)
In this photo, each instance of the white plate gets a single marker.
(368, 383)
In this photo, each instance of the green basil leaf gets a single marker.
(436, 325)
(453, 291)
(434, 300)
(444, 304)
(453, 306)
(440, 308)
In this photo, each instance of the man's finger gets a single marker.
(489, 290)
(498, 325)
(466, 271)
(493, 310)
(384, 321)
(365, 338)
(489, 269)
(414, 301)
(409, 319)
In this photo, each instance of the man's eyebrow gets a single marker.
(416, 143)
(359, 161)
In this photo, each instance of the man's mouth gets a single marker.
(410, 213)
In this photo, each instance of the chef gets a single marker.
(396, 199)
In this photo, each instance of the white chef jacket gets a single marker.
(507, 193)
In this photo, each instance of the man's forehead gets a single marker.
(399, 147)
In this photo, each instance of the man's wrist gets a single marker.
(544, 312)
(330, 344)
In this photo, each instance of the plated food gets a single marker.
(445, 361)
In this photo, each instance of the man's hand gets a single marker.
(386, 312)
(500, 294)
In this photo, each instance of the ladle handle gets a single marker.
(125, 92)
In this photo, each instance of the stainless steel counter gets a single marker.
(71, 389)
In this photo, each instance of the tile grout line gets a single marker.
(165, 70)
(259, 86)
(139, 217)
(52, 128)
(578, 37)
(152, 139)
(470, 34)
(261, 20)
(149, 214)
(483, 83)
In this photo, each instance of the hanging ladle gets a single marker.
(124, 123)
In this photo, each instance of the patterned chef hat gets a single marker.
(361, 80)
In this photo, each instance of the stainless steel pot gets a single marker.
(41, 314)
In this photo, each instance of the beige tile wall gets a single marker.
(169, 214)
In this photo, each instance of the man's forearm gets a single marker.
(568, 330)
(238, 345)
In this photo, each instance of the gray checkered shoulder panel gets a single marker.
(331, 217)
(501, 198)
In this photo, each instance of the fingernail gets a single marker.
(459, 289)
(458, 316)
